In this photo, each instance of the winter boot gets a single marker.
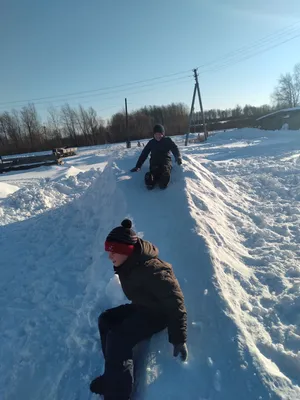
(97, 385)
(149, 181)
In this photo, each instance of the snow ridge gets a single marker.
(250, 238)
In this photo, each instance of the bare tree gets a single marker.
(139, 125)
(95, 126)
(90, 126)
(10, 130)
(3, 133)
(296, 76)
(287, 92)
(83, 124)
(54, 127)
(69, 120)
(117, 127)
(31, 125)
(237, 112)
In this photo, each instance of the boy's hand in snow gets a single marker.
(181, 349)
(135, 169)
(179, 160)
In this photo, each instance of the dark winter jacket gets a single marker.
(148, 281)
(160, 152)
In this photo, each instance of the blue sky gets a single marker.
(58, 47)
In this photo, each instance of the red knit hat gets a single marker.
(122, 239)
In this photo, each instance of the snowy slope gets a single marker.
(230, 225)
(6, 189)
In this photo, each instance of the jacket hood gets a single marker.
(146, 250)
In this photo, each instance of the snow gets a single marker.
(6, 189)
(230, 225)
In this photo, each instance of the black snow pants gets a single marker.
(160, 174)
(121, 328)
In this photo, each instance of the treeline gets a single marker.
(140, 122)
(23, 131)
(248, 111)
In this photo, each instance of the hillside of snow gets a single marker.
(230, 225)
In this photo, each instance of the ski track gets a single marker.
(230, 225)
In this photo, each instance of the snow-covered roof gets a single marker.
(279, 111)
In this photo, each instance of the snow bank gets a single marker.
(6, 189)
(251, 273)
(38, 196)
(257, 139)
(251, 223)
(53, 292)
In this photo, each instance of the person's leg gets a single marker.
(107, 321)
(165, 176)
(152, 176)
(149, 180)
(120, 341)
(110, 318)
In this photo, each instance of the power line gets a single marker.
(96, 90)
(247, 57)
(139, 91)
(264, 40)
(246, 52)
(111, 92)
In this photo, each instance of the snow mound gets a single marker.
(44, 194)
(6, 189)
(66, 173)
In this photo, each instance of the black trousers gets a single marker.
(121, 328)
(160, 174)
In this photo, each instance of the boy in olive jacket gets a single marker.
(157, 303)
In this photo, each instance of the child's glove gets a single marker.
(181, 349)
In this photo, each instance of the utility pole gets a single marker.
(191, 116)
(128, 144)
(200, 102)
(196, 89)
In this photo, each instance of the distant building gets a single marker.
(288, 118)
